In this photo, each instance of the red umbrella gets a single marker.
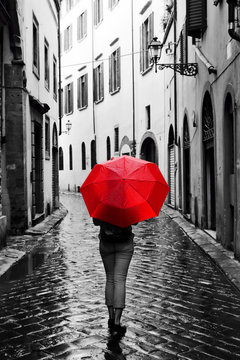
(124, 191)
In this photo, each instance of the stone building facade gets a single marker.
(29, 111)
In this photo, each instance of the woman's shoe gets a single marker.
(119, 330)
(111, 324)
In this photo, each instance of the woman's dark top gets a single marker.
(113, 232)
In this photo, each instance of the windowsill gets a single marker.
(98, 24)
(146, 70)
(82, 108)
(115, 91)
(47, 157)
(70, 113)
(99, 101)
(82, 38)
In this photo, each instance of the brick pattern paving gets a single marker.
(179, 305)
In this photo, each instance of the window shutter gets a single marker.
(71, 97)
(110, 73)
(141, 48)
(196, 17)
(118, 68)
(101, 9)
(66, 99)
(102, 83)
(95, 84)
(78, 93)
(70, 36)
(78, 28)
(85, 23)
(95, 12)
(151, 28)
(86, 91)
(65, 39)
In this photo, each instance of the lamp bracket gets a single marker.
(189, 69)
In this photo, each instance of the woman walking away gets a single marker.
(116, 249)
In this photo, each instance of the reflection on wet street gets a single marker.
(179, 305)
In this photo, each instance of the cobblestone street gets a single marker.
(179, 304)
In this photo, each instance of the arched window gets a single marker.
(93, 153)
(61, 167)
(70, 158)
(83, 156)
(108, 148)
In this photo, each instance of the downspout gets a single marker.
(175, 91)
(59, 76)
(133, 88)
(231, 20)
(93, 107)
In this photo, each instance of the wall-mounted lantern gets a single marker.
(155, 51)
(68, 127)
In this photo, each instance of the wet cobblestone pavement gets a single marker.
(179, 305)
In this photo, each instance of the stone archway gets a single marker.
(148, 148)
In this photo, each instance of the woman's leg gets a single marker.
(108, 258)
(123, 256)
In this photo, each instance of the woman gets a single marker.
(116, 249)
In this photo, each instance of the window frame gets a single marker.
(99, 83)
(82, 26)
(35, 46)
(46, 65)
(69, 98)
(47, 137)
(82, 92)
(98, 12)
(55, 78)
(115, 71)
(68, 38)
(146, 36)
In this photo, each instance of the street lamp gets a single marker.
(68, 127)
(155, 51)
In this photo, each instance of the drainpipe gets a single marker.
(231, 20)
(210, 67)
(133, 88)
(59, 76)
(175, 73)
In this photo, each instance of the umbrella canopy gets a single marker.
(124, 191)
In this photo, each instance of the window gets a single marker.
(98, 11)
(47, 137)
(61, 167)
(114, 71)
(146, 36)
(83, 156)
(69, 98)
(54, 78)
(82, 26)
(93, 153)
(69, 5)
(35, 29)
(62, 111)
(112, 3)
(148, 117)
(46, 64)
(196, 18)
(82, 92)
(68, 38)
(98, 83)
(108, 148)
(70, 158)
(116, 139)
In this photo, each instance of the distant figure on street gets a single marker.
(116, 249)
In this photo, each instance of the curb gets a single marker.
(224, 259)
(18, 246)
